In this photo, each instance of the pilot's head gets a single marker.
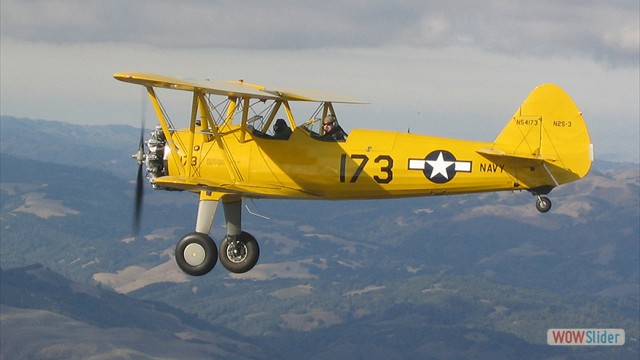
(329, 122)
(279, 125)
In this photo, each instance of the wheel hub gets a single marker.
(236, 252)
(194, 254)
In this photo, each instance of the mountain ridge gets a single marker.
(333, 273)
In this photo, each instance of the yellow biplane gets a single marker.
(242, 141)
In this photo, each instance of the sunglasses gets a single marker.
(329, 123)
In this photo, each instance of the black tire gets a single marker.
(196, 254)
(245, 255)
(543, 204)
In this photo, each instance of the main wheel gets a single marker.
(196, 254)
(240, 253)
(543, 204)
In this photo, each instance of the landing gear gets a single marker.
(196, 254)
(543, 204)
(239, 253)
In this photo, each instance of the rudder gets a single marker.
(549, 127)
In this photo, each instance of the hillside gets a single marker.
(47, 316)
(475, 274)
(107, 147)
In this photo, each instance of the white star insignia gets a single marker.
(439, 166)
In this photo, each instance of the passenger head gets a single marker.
(279, 125)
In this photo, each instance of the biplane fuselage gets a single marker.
(369, 164)
(226, 154)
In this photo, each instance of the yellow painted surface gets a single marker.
(545, 144)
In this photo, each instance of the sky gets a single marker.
(445, 68)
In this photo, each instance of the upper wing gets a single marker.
(234, 88)
(313, 95)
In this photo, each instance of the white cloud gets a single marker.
(604, 30)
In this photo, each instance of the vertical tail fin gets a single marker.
(548, 129)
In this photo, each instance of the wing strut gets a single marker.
(162, 119)
(234, 172)
(544, 165)
(192, 132)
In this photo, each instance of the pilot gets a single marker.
(280, 130)
(332, 131)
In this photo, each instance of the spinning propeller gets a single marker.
(140, 156)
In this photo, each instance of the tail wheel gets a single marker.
(240, 253)
(543, 204)
(196, 254)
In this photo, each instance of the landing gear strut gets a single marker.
(197, 254)
(543, 204)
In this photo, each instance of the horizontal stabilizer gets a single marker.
(524, 156)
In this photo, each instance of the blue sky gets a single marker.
(454, 69)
